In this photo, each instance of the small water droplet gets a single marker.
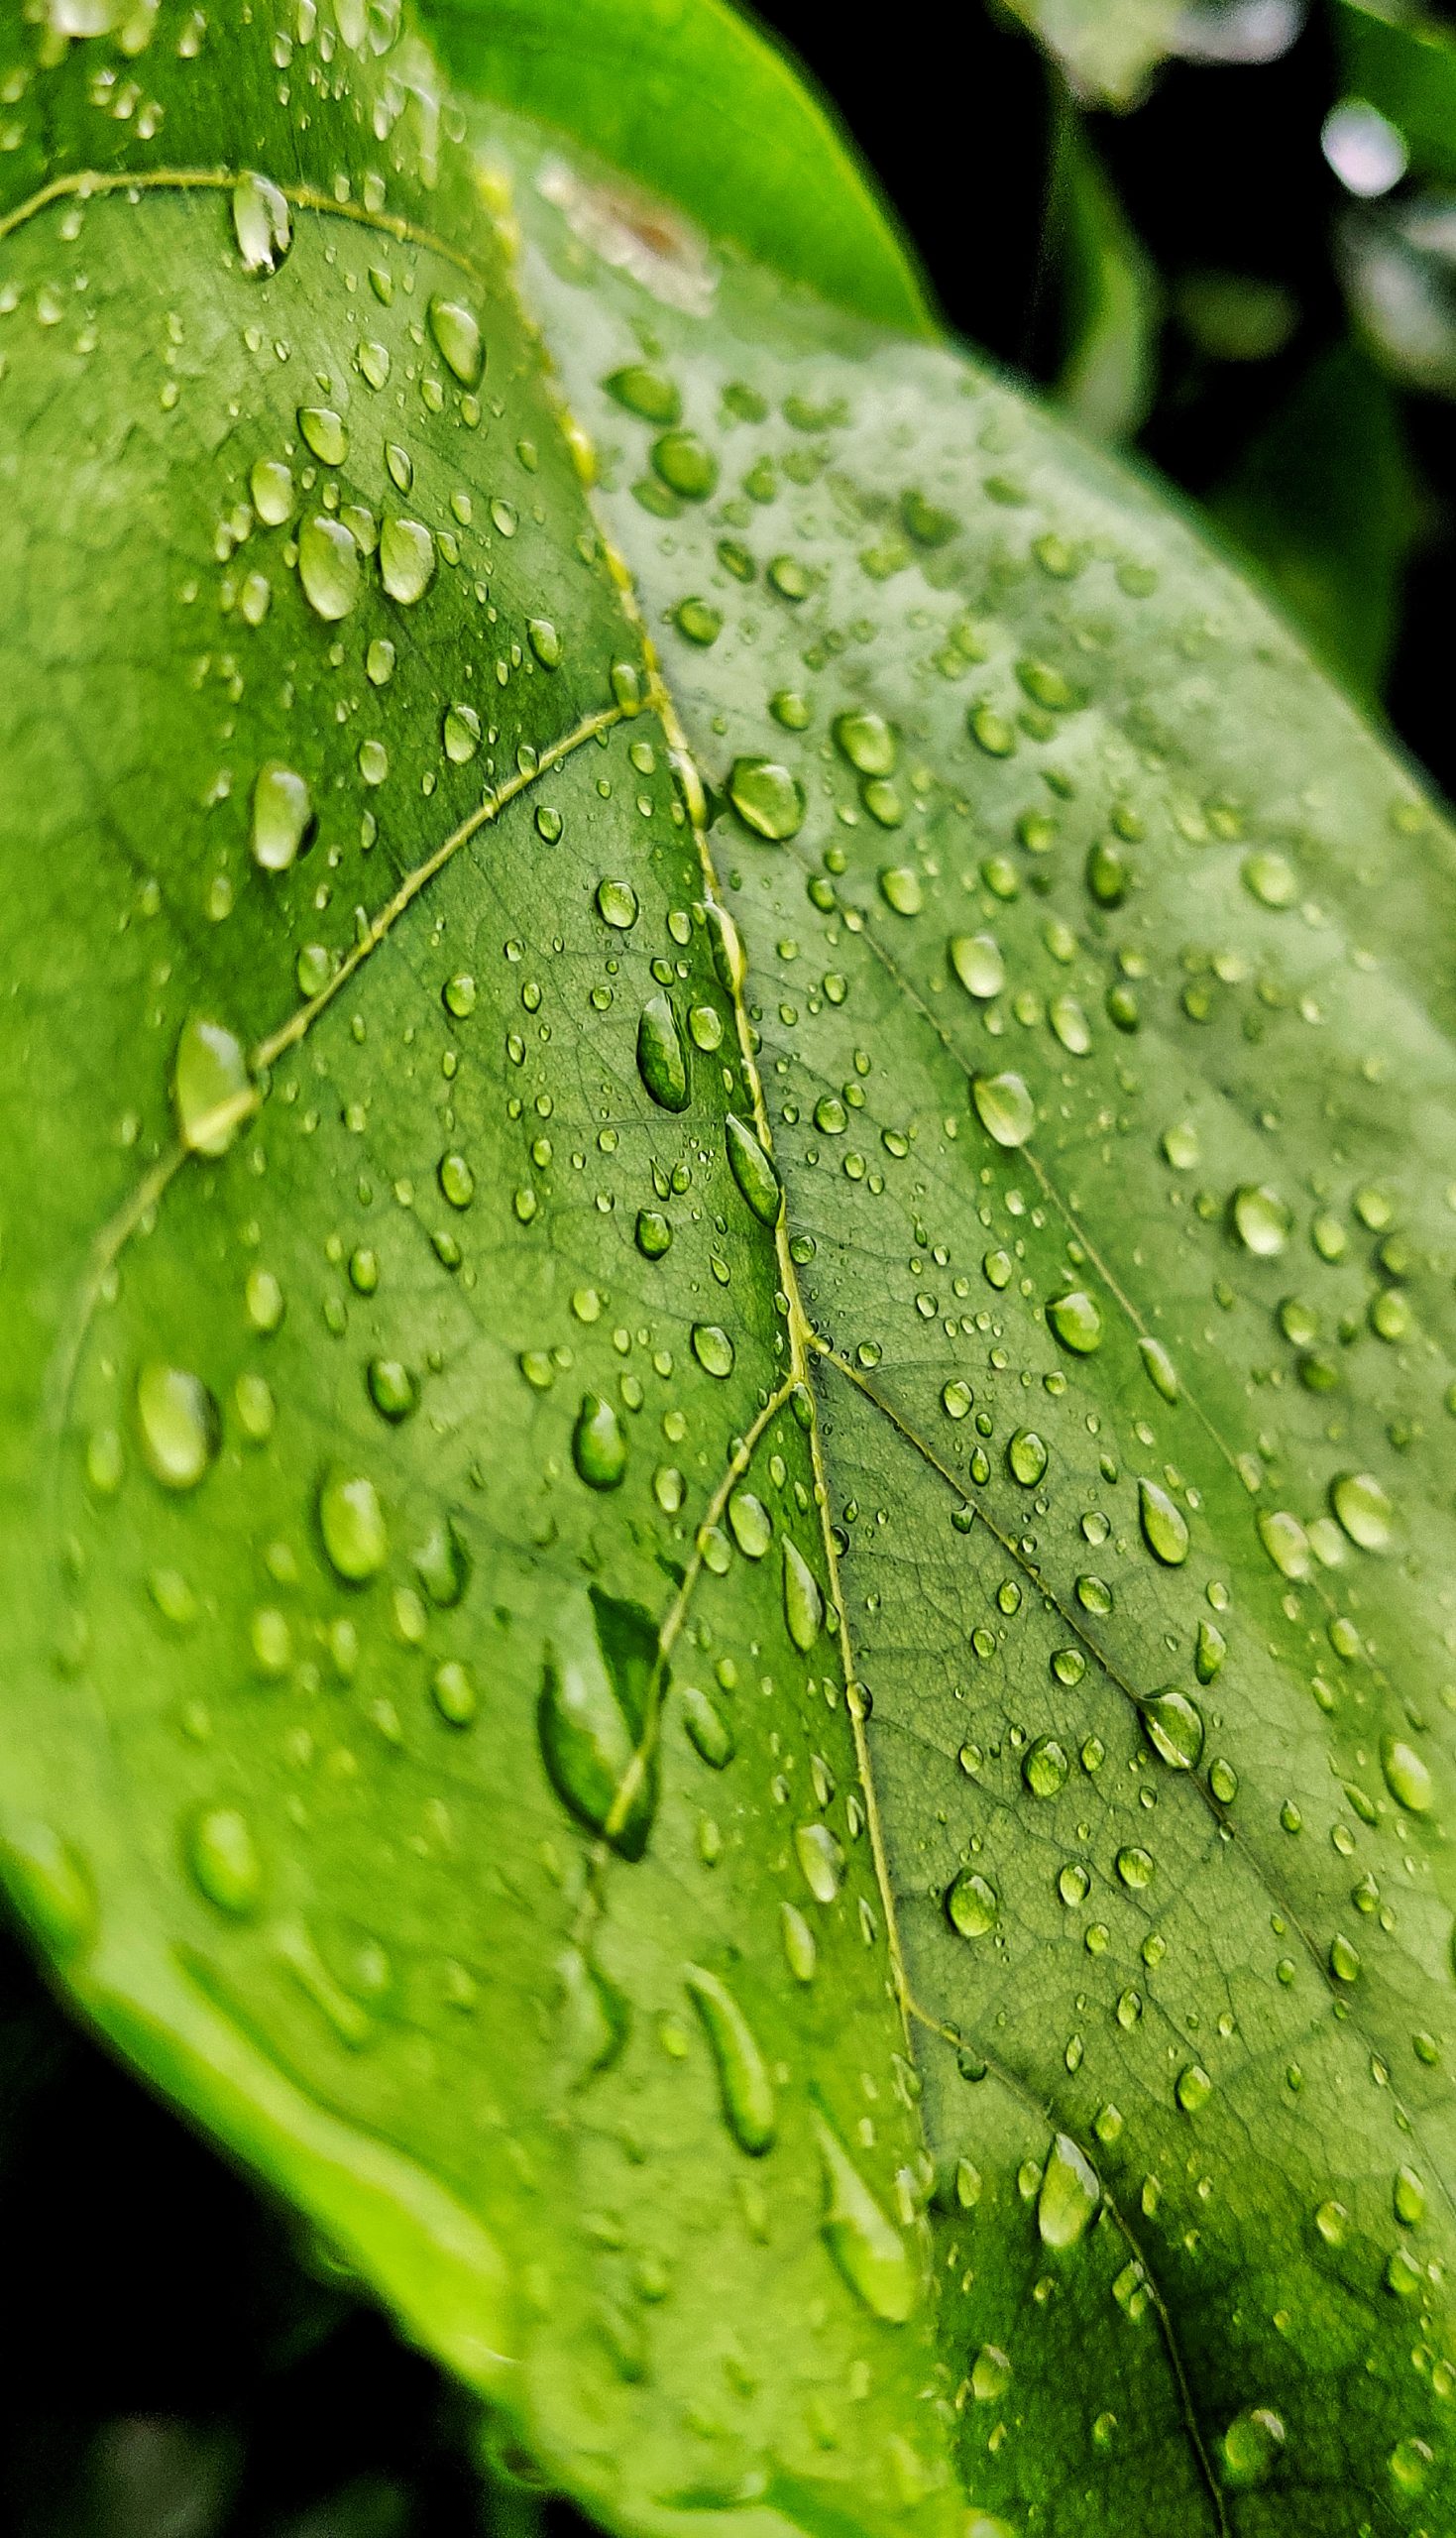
(407, 560)
(712, 1349)
(1026, 1458)
(1165, 1525)
(801, 1947)
(971, 1904)
(708, 1729)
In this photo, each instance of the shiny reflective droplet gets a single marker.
(461, 732)
(1159, 1368)
(616, 904)
(1251, 2446)
(352, 1523)
(686, 465)
(707, 1727)
(1165, 1527)
(822, 1861)
(1077, 1320)
(178, 1424)
(262, 223)
(1026, 1458)
(1193, 2088)
(977, 963)
(1260, 1220)
(1069, 2195)
(407, 560)
(801, 1947)
(1364, 1509)
(1411, 2462)
(1045, 1766)
(990, 2374)
(1286, 1542)
(1004, 1107)
(646, 393)
(971, 1904)
(592, 1719)
(1175, 1731)
(662, 1059)
(767, 797)
(452, 1692)
(270, 484)
(803, 1599)
(712, 1349)
(753, 1171)
(743, 2081)
(283, 816)
(329, 568)
(1407, 1775)
(866, 2246)
(223, 1858)
(212, 1091)
(322, 432)
(392, 1388)
(598, 1446)
(1344, 1959)
(867, 742)
(457, 333)
(750, 1524)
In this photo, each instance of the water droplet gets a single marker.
(1165, 1527)
(686, 465)
(971, 1904)
(801, 1947)
(328, 568)
(1045, 1768)
(822, 1861)
(1363, 1509)
(461, 734)
(457, 334)
(977, 963)
(223, 1858)
(1407, 2194)
(866, 2246)
(1193, 2088)
(270, 484)
(1077, 1320)
(262, 223)
(1026, 1458)
(1069, 2195)
(1174, 1726)
(1272, 879)
(712, 1349)
(322, 432)
(1344, 1959)
(767, 797)
(803, 1601)
(616, 904)
(1159, 1368)
(594, 2016)
(592, 1719)
(352, 1523)
(1407, 1775)
(1411, 2462)
(866, 740)
(753, 1170)
(392, 1388)
(407, 560)
(452, 1692)
(1260, 1220)
(178, 1424)
(707, 1727)
(1251, 2446)
(283, 816)
(645, 393)
(599, 1444)
(990, 2374)
(750, 1524)
(1004, 1107)
(1287, 1542)
(662, 1059)
(743, 2074)
(212, 1091)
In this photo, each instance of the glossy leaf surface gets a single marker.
(725, 1448)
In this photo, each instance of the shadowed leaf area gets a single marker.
(725, 1448)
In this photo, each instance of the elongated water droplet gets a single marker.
(801, 1947)
(662, 1061)
(803, 1599)
(750, 1524)
(743, 2074)
(866, 2246)
(178, 1424)
(223, 1858)
(1004, 1107)
(592, 1719)
(262, 223)
(1407, 1775)
(407, 560)
(1174, 1726)
(753, 1171)
(329, 568)
(1159, 1368)
(1069, 2197)
(352, 1523)
(707, 1727)
(822, 1860)
(457, 333)
(270, 484)
(212, 1091)
(283, 816)
(1165, 1525)
(646, 393)
(766, 797)
(322, 432)
(599, 1444)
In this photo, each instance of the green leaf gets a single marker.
(1111, 297)
(696, 104)
(1109, 48)
(786, 1756)
(1325, 503)
(1406, 68)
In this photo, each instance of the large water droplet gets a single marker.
(1407, 1775)
(595, 2018)
(662, 1059)
(753, 1171)
(1363, 1509)
(283, 816)
(1004, 1107)
(599, 1442)
(592, 1719)
(977, 963)
(223, 1858)
(743, 2074)
(1165, 1525)
(1251, 2446)
(329, 567)
(262, 223)
(803, 1599)
(1260, 1220)
(457, 333)
(212, 1091)
(822, 1860)
(407, 560)
(707, 1727)
(865, 2245)
(972, 1905)
(767, 797)
(1069, 2197)
(1076, 1319)
(1174, 1726)
(352, 1523)
(178, 1424)
(867, 742)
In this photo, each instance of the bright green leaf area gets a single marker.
(725, 1436)
(1407, 67)
(694, 104)
(1107, 48)
(1109, 371)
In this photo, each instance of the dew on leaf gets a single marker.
(1407, 1775)
(591, 1719)
(1251, 2446)
(707, 1727)
(1176, 1729)
(1069, 2197)
(712, 1349)
(178, 1423)
(820, 1861)
(407, 560)
(1260, 1220)
(753, 1171)
(452, 1692)
(212, 1091)
(616, 904)
(767, 797)
(803, 1599)
(866, 2246)
(1077, 1320)
(329, 568)
(662, 1059)
(1004, 1107)
(283, 816)
(744, 2085)
(223, 1858)
(971, 1904)
(262, 223)
(1364, 1509)
(1165, 1525)
(598, 1446)
(977, 963)
(457, 333)
(322, 432)
(351, 1522)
